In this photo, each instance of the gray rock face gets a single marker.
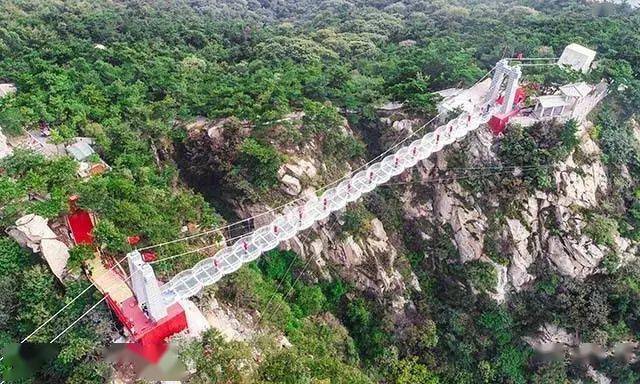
(468, 224)
(301, 168)
(574, 258)
(521, 257)
(582, 184)
(549, 336)
(581, 181)
(369, 261)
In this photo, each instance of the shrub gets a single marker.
(610, 262)
(548, 284)
(259, 163)
(13, 258)
(481, 275)
(309, 300)
(601, 229)
(357, 220)
(410, 371)
(11, 120)
(107, 234)
(320, 117)
(364, 324)
(79, 254)
(334, 291)
(342, 146)
(614, 140)
(519, 148)
(568, 135)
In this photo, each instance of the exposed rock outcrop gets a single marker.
(453, 206)
(365, 261)
(5, 150)
(545, 226)
(228, 324)
(550, 337)
(521, 258)
(291, 185)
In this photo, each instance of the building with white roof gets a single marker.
(577, 57)
(80, 150)
(550, 106)
(571, 101)
(578, 90)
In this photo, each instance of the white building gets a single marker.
(577, 57)
(573, 101)
(549, 106)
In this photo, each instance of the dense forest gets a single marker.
(135, 75)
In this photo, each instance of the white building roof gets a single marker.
(80, 150)
(7, 89)
(581, 89)
(551, 101)
(577, 57)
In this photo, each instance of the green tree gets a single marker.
(78, 255)
(568, 135)
(259, 163)
(410, 371)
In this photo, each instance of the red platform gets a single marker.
(498, 123)
(148, 338)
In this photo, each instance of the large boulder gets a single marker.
(290, 185)
(301, 168)
(5, 150)
(32, 231)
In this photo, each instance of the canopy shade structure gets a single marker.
(577, 57)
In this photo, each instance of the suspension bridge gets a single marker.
(157, 306)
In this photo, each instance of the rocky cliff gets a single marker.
(470, 190)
